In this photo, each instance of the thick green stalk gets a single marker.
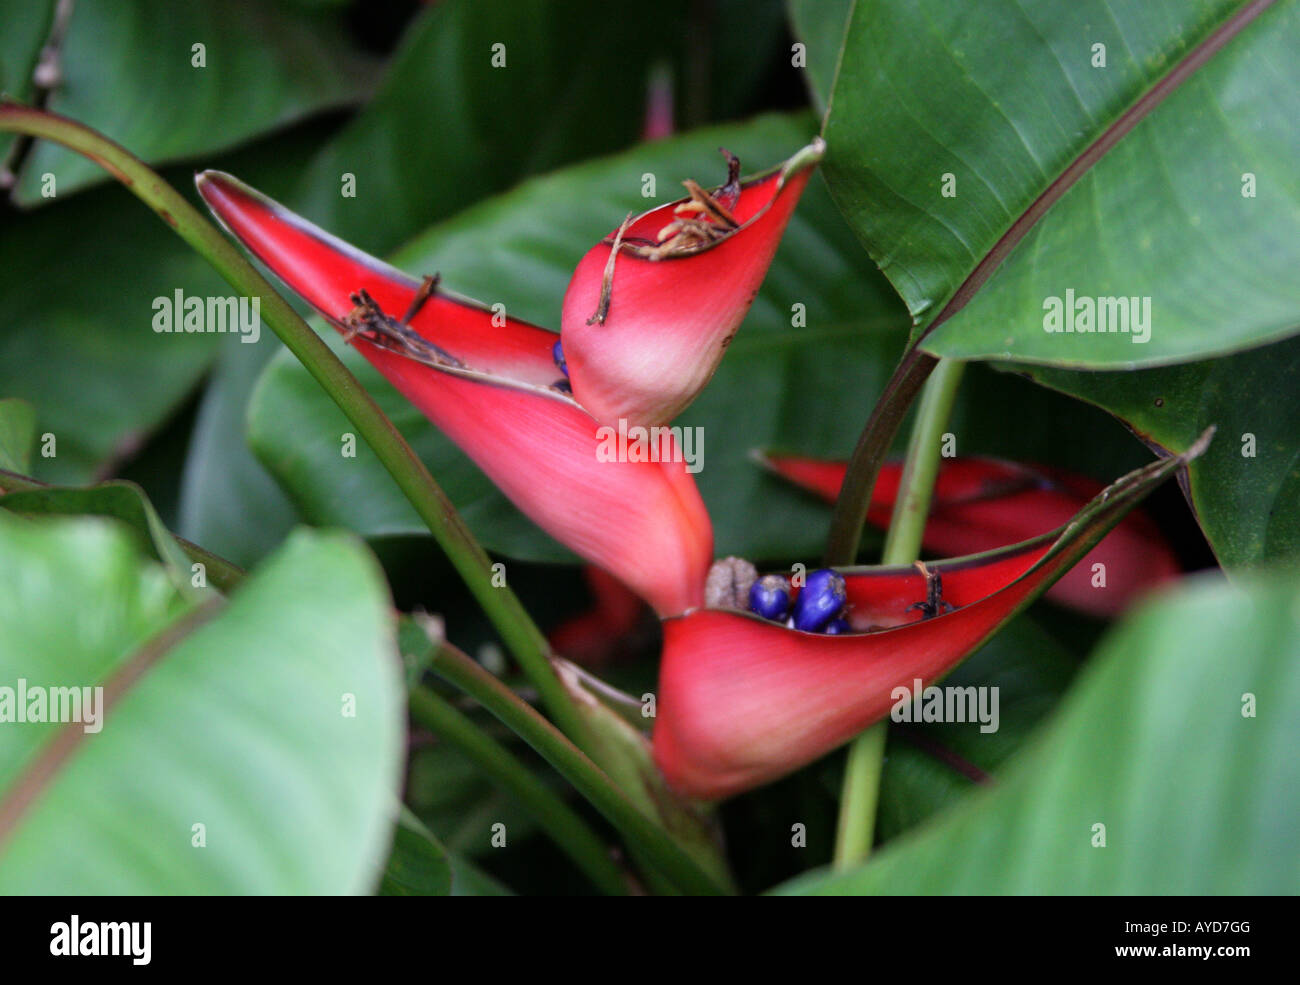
(650, 842)
(921, 466)
(864, 465)
(861, 791)
(502, 606)
(556, 818)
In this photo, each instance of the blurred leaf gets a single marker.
(17, 434)
(1246, 488)
(820, 26)
(26, 26)
(1197, 796)
(76, 336)
(228, 717)
(467, 879)
(927, 89)
(417, 648)
(417, 864)
(447, 127)
(229, 503)
(128, 71)
(452, 797)
(123, 501)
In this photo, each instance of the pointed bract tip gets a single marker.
(806, 157)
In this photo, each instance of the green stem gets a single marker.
(644, 836)
(856, 828)
(556, 818)
(861, 791)
(502, 606)
(921, 467)
(864, 465)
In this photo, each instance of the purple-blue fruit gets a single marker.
(770, 596)
(820, 601)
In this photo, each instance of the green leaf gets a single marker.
(27, 24)
(418, 865)
(228, 501)
(76, 338)
(467, 879)
(1246, 488)
(929, 89)
(228, 716)
(1179, 738)
(448, 127)
(17, 434)
(128, 71)
(123, 501)
(453, 797)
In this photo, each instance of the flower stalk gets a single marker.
(569, 831)
(645, 837)
(873, 445)
(861, 789)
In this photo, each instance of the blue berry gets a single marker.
(557, 353)
(821, 600)
(836, 626)
(770, 597)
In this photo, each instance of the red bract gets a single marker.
(593, 637)
(643, 336)
(491, 391)
(743, 701)
(983, 503)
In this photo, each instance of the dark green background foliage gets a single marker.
(499, 179)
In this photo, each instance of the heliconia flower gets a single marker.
(652, 307)
(983, 503)
(491, 384)
(743, 700)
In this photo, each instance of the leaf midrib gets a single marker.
(45, 767)
(1077, 168)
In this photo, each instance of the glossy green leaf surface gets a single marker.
(167, 106)
(1246, 488)
(949, 121)
(246, 747)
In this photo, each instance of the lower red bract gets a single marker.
(981, 504)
